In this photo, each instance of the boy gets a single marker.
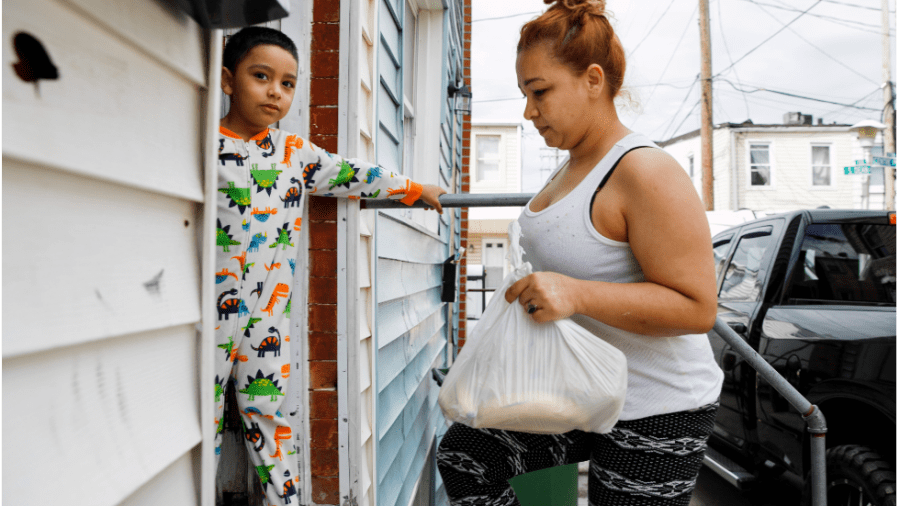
(263, 178)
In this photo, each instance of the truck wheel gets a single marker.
(857, 475)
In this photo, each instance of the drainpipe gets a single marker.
(735, 205)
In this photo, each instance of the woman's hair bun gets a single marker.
(580, 8)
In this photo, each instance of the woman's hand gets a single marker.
(430, 194)
(553, 295)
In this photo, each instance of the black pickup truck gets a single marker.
(814, 293)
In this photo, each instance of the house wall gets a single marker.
(107, 251)
(510, 159)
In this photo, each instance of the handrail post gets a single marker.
(815, 420)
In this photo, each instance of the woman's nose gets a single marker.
(530, 111)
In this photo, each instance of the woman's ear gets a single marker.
(596, 80)
(227, 81)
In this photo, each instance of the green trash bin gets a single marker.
(554, 486)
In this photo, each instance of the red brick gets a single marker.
(327, 11)
(322, 208)
(462, 270)
(326, 490)
(326, 142)
(322, 346)
(325, 462)
(325, 64)
(322, 318)
(323, 404)
(462, 342)
(462, 306)
(323, 434)
(322, 374)
(326, 37)
(323, 120)
(467, 18)
(322, 291)
(323, 263)
(322, 235)
(323, 91)
(466, 143)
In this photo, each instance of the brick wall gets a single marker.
(467, 128)
(323, 397)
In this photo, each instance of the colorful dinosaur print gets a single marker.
(231, 306)
(292, 142)
(240, 197)
(298, 223)
(264, 477)
(245, 267)
(272, 267)
(231, 156)
(266, 143)
(263, 216)
(400, 191)
(256, 240)
(220, 390)
(281, 290)
(220, 425)
(308, 172)
(287, 308)
(282, 433)
(289, 490)
(228, 349)
(223, 238)
(245, 226)
(346, 176)
(263, 386)
(224, 273)
(372, 173)
(292, 197)
(258, 289)
(284, 238)
(271, 343)
(286, 371)
(254, 435)
(293, 264)
(370, 195)
(265, 179)
(250, 323)
(250, 411)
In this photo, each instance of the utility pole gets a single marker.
(889, 116)
(706, 116)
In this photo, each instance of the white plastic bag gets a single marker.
(515, 374)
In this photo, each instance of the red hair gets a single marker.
(580, 35)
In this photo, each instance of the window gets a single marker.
(760, 165)
(690, 170)
(742, 279)
(410, 27)
(487, 148)
(821, 165)
(720, 252)
(853, 262)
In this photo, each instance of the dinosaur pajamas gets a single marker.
(262, 185)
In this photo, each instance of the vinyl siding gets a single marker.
(103, 198)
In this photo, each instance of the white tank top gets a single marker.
(665, 374)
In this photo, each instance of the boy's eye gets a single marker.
(288, 84)
(260, 75)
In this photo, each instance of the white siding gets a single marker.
(103, 196)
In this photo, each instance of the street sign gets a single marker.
(886, 161)
(858, 170)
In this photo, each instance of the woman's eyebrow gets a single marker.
(532, 80)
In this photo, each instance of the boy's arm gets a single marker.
(335, 176)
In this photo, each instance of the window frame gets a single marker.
(831, 171)
(501, 160)
(749, 171)
(764, 229)
(409, 88)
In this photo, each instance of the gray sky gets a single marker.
(831, 53)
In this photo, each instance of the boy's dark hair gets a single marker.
(242, 42)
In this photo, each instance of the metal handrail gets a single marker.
(811, 414)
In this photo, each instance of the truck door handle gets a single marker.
(738, 327)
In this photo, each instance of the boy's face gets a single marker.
(261, 88)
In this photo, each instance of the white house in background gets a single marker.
(781, 167)
(495, 167)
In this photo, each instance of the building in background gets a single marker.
(496, 167)
(781, 167)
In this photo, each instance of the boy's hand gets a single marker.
(430, 194)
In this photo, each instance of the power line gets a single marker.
(507, 17)
(689, 114)
(813, 45)
(686, 97)
(674, 51)
(855, 5)
(497, 100)
(844, 22)
(728, 52)
(661, 16)
(770, 37)
(794, 96)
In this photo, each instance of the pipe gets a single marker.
(458, 200)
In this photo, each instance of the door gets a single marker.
(494, 259)
(742, 280)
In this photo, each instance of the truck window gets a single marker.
(720, 253)
(846, 263)
(742, 276)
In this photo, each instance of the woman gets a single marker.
(619, 242)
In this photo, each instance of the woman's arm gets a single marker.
(669, 236)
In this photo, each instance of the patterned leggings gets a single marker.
(652, 461)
